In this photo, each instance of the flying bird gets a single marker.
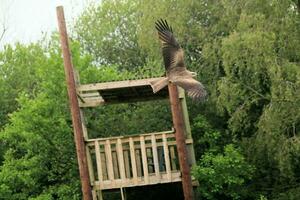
(176, 71)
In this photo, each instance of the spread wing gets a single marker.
(193, 87)
(172, 52)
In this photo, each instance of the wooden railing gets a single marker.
(128, 161)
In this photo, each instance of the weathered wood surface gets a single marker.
(179, 125)
(74, 107)
(116, 84)
(91, 95)
(134, 160)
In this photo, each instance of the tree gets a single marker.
(223, 176)
(38, 150)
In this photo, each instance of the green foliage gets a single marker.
(37, 145)
(205, 136)
(291, 194)
(108, 32)
(18, 73)
(244, 88)
(223, 175)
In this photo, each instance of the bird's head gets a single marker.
(193, 74)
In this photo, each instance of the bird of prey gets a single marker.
(176, 71)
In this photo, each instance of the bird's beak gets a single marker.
(194, 74)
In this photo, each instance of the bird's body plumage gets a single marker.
(176, 71)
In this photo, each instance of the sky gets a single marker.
(27, 20)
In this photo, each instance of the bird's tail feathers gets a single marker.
(157, 85)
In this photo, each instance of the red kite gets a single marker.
(177, 73)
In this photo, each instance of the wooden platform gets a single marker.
(135, 160)
(91, 95)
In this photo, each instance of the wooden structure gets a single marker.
(133, 160)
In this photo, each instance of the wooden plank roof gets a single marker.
(96, 94)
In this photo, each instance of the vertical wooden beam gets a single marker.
(121, 159)
(144, 159)
(115, 165)
(127, 164)
(75, 110)
(109, 162)
(98, 162)
(167, 157)
(104, 166)
(90, 165)
(138, 160)
(99, 195)
(133, 160)
(122, 194)
(155, 156)
(173, 158)
(99, 171)
(94, 195)
(180, 141)
(188, 132)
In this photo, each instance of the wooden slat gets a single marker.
(155, 155)
(133, 161)
(90, 94)
(136, 137)
(144, 159)
(109, 160)
(122, 194)
(127, 164)
(84, 130)
(92, 99)
(173, 158)
(129, 183)
(115, 164)
(138, 159)
(149, 156)
(167, 158)
(99, 195)
(98, 161)
(158, 144)
(104, 165)
(91, 103)
(94, 194)
(116, 84)
(90, 165)
(161, 159)
(120, 159)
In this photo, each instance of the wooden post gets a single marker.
(188, 132)
(178, 123)
(75, 110)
